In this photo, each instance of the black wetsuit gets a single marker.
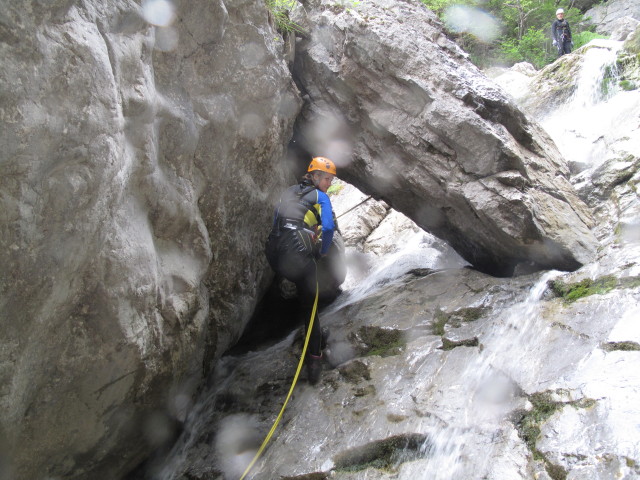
(561, 33)
(303, 227)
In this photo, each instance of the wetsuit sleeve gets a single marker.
(554, 32)
(569, 30)
(326, 218)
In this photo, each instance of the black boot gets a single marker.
(314, 368)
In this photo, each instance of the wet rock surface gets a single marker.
(137, 178)
(416, 410)
(129, 260)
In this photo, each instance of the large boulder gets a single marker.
(410, 120)
(133, 202)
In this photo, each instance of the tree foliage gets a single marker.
(525, 30)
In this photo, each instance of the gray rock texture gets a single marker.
(140, 159)
(411, 121)
(606, 16)
(136, 190)
(452, 375)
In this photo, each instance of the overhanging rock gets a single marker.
(409, 119)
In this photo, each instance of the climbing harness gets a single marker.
(293, 384)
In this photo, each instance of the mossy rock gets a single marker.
(355, 371)
(627, 346)
(451, 344)
(370, 340)
(386, 454)
(632, 44)
(528, 423)
(571, 292)
(456, 318)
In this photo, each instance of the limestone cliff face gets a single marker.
(134, 199)
(138, 168)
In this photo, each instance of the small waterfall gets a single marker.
(492, 389)
(598, 78)
(583, 126)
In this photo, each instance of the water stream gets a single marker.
(489, 387)
(585, 126)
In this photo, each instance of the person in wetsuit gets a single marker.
(561, 33)
(302, 233)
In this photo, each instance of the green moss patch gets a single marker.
(384, 342)
(621, 346)
(529, 422)
(309, 476)
(439, 322)
(386, 454)
(451, 344)
(571, 292)
(456, 318)
(365, 391)
(354, 372)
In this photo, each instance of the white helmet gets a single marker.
(559, 11)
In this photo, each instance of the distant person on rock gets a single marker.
(561, 33)
(301, 237)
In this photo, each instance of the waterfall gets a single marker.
(491, 388)
(584, 126)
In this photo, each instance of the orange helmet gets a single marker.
(323, 164)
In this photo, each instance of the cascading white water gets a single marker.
(489, 386)
(583, 127)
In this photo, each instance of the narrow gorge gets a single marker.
(488, 327)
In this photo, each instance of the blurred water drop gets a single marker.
(158, 428)
(182, 404)
(252, 55)
(288, 106)
(340, 151)
(236, 442)
(166, 39)
(463, 18)
(322, 132)
(160, 13)
(251, 126)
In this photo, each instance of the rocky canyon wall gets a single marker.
(137, 168)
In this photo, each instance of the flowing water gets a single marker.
(585, 126)
(489, 387)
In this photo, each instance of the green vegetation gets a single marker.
(621, 346)
(451, 344)
(571, 292)
(280, 11)
(525, 30)
(379, 341)
(439, 323)
(335, 188)
(529, 422)
(456, 318)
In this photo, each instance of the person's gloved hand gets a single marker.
(555, 43)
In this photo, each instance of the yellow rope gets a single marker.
(293, 384)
